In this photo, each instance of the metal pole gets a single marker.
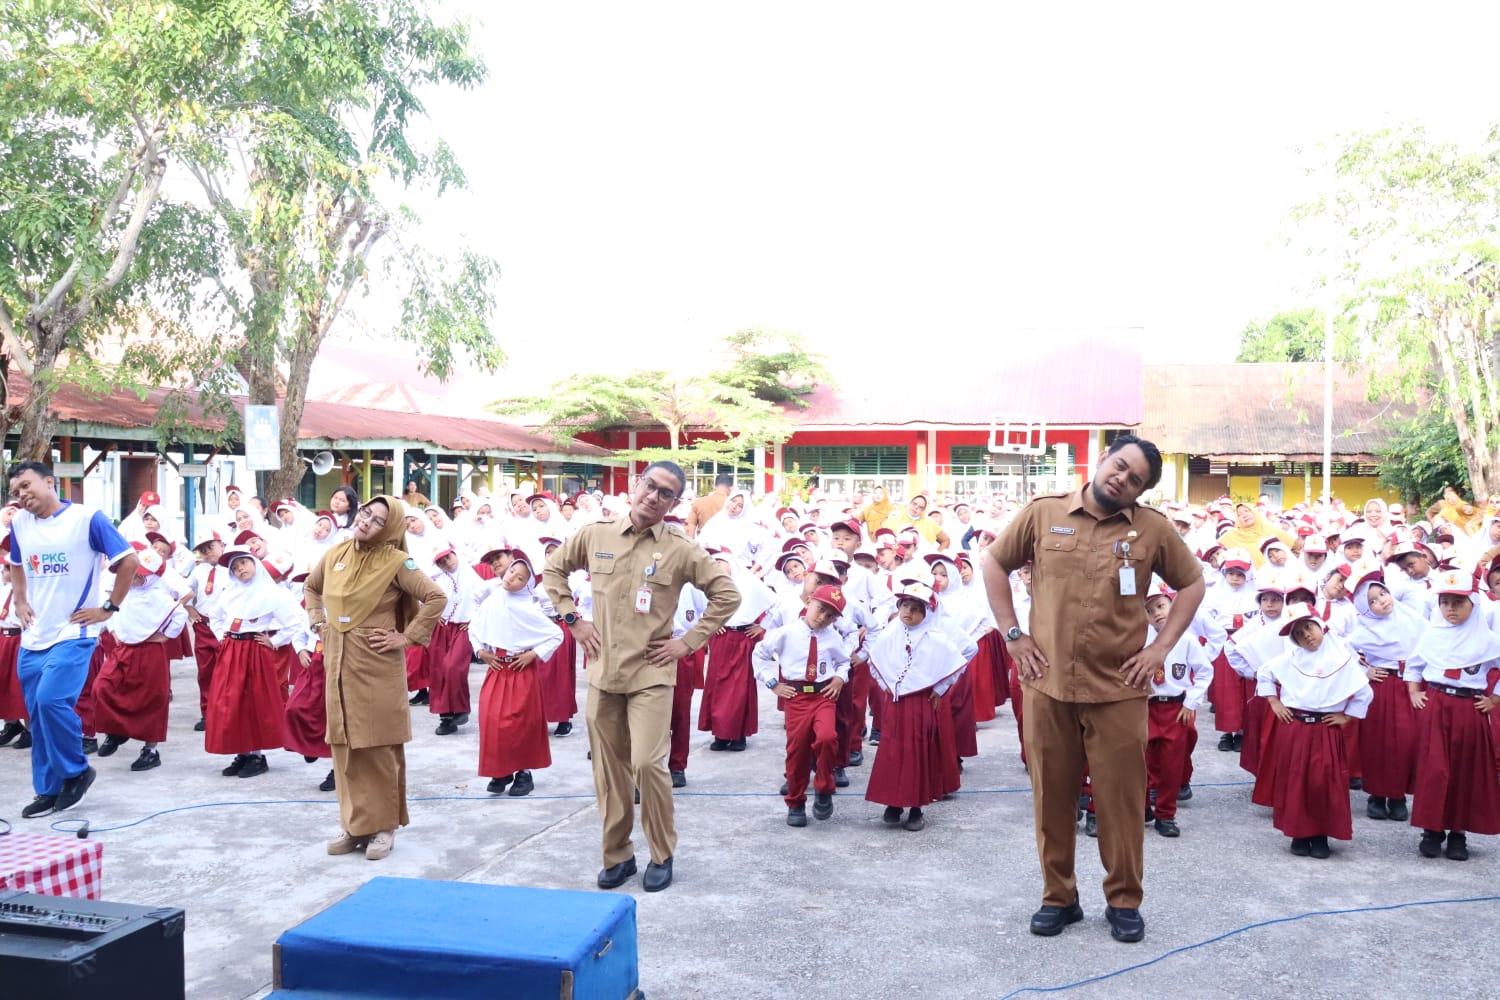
(1328, 398)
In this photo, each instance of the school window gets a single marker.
(969, 460)
(882, 460)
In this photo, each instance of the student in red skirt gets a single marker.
(134, 687)
(1385, 634)
(1457, 792)
(913, 662)
(247, 700)
(1230, 603)
(514, 637)
(206, 583)
(304, 724)
(12, 703)
(450, 652)
(1321, 687)
(806, 663)
(559, 672)
(1177, 691)
(691, 604)
(729, 708)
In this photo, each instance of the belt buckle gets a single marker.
(809, 689)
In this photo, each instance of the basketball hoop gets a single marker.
(1018, 434)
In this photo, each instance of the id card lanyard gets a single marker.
(1127, 575)
(643, 596)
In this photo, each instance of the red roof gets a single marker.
(333, 422)
(1090, 378)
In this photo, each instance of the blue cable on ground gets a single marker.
(1241, 930)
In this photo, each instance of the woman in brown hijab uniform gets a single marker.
(377, 602)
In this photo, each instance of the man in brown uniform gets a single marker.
(1084, 669)
(707, 506)
(637, 568)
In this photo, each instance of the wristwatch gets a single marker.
(1013, 633)
(110, 606)
(571, 618)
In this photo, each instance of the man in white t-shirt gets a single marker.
(58, 555)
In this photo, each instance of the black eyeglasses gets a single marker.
(368, 513)
(663, 492)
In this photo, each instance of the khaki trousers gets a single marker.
(371, 783)
(629, 735)
(1110, 738)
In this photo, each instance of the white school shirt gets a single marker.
(1186, 670)
(782, 655)
(63, 557)
(207, 583)
(691, 603)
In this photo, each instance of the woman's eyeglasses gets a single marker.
(368, 514)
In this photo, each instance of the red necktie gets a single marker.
(1452, 675)
(812, 659)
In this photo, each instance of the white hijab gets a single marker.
(1454, 647)
(911, 659)
(513, 621)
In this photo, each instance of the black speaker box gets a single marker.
(58, 948)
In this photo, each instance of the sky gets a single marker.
(942, 177)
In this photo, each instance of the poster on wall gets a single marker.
(262, 438)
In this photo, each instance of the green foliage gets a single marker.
(773, 366)
(1297, 335)
(1423, 458)
(731, 400)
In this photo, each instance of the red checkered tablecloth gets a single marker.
(51, 866)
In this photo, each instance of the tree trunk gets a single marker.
(284, 481)
(37, 421)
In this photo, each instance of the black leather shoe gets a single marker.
(1396, 809)
(1431, 844)
(23, 742)
(1226, 742)
(796, 816)
(254, 767)
(200, 725)
(914, 820)
(840, 779)
(1050, 920)
(1458, 847)
(447, 727)
(875, 737)
(679, 779)
(637, 796)
(461, 719)
(891, 816)
(658, 876)
(498, 785)
(1301, 846)
(420, 698)
(40, 806)
(523, 785)
(856, 758)
(1317, 847)
(785, 787)
(11, 731)
(615, 875)
(235, 765)
(1184, 793)
(1356, 784)
(1239, 742)
(1125, 925)
(736, 746)
(328, 784)
(1150, 815)
(90, 746)
(309, 760)
(823, 805)
(1091, 825)
(73, 789)
(1375, 808)
(719, 745)
(146, 761)
(563, 729)
(110, 745)
(1168, 828)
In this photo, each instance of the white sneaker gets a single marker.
(380, 845)
(345, 844)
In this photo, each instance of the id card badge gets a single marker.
(1127, 581)
(643, 600)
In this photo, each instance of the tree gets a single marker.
(1296, 335)
(329, 126)
(773, 365)
(1423, 458)
(94, 99)
(1413, 226)
(728, 400)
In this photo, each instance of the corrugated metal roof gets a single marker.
(1092, 378)
(333, 423)
(1264, 412)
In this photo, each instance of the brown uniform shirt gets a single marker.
(617, 557)
(704, 508)
(1079, 620)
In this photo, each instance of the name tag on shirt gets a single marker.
(1127, 582)
(1062, 531)
(643, 600)
(604, 555)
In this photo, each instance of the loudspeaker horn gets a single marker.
(321, 463)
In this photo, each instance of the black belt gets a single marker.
(245, 635)
(740, 628)
(1309, 717)
(10, 631)
(1457, 692)
(1169, 697)
(806, 688)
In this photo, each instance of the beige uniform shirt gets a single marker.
(617, 558)
(1080, 620)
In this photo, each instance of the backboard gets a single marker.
(1018, 434)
